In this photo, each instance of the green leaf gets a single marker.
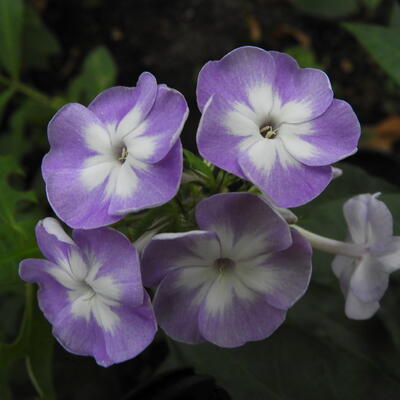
(327, 8)
(11, 20)
(197, 163)
(98, 73)
(17, 239)
(395, 16)
(39, 357)
(371, 4)
(25, 129)
(304, 56)
(382, 43)
(38, 43)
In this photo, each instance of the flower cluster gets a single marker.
(264, 119)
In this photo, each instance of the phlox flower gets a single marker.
(90, 290)
(232, 281)
(266, 120)
(364, 277)
(120, 154)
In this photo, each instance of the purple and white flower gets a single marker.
(232, 281)
(364, 277)
(119, 155)
(91, 292)
(275, 124)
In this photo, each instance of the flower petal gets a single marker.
(282, 277)
(169, 251)
(246, 226)
(135, 331)
(156, 184)
(75, 134)
(359, 310)
(329, 138)
(300, 94)
(156, 135)
(75, 204)
(240, 321)
(126, 106)
(53, 242)
(52, 295)
(235, 74)
(390, 260)
(368, 219)
(287, 182)
(223, 133)
(369, 281)
(177, 301)
(113, 263)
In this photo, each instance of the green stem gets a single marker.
(29, 92)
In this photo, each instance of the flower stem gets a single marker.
(29, 92)
(331, 245)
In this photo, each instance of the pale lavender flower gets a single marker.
(232, 281)
(275, 124)
(364, 277)
(120, 154)
(90, 290)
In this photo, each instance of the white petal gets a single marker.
(127, 181)
(53, 227)
(94, 175)
(261, 99)
(104, 316)
(97, 138)
(106, 286)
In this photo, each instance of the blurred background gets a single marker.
(58, 51)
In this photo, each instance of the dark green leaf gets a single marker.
(382, 43)
(38, 43)
(395, 16)
(11, 21)
(98, 73)
(327, 8)
(17, 240)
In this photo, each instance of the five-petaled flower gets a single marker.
(269, 121)
(91, 292)
(120, 154)
(364, 278)
(231, 282)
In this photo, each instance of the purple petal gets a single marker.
(132, 335)
(161, 129)
(235, 74)
(284, 276)
(287, 182)
(52, 239)
(74, 204)
(329, 138)
(369, 281)
(155, 184)
(390, 260)
(368, 219)
(224, 133)
(52, 296)
(176, 305)
(241, 321)
(69, 139)
(113, 104)
(300, 94)
(169, 251)
(244, 223)
(359, 310)
(114, 256)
